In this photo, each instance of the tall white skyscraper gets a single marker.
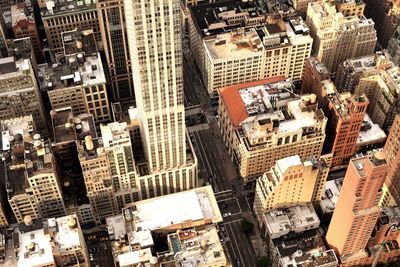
(155, 44)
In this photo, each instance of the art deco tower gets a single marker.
(155, 44)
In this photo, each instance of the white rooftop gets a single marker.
(116, 226)
(286, 163)
(331, 195)
(134, 257)
(375, 134)
(280, 222)
(165, 211)
(66, 238)
(41, 255)
(114, 132)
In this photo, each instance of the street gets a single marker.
(216, 168)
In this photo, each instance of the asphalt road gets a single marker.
(99, 250)
(217, 169)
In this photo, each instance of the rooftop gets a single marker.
(196, 248)
(197, 205)
(135, 257)
(331, 195)
(214, 18)
(238, 42)
(66, 232)
(35, 249)
(370, 133)
(113, 133)
(280, 222)
(58, 7)
(20, 12)
(67, 128)
(312, 258)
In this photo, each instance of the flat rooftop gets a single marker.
(172, 210)
(114, 132)
(59, 7)
(331, 195)
(193, 247)
(361, 64)
(211, 19)
(67, 128)
(370, 133)
(18, 14)
(88, 72)
(34, 249)
(312, 258)
(286, 163)
(280, 222)
(236, 43)
(134, 257)
(66, 237)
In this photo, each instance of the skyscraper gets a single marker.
(115, 43)
(357, 209)
(155, 44)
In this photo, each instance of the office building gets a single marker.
(381, 90)
(48, 242)
(314, 73)
(263, 121)
(78, 82)
(118, 149)
(392, 152)
(346, 114)
(19, 92)
(237, 45)
(307, 249)
(357, 209)
(289, 183)
(158, 80)
(353, 69)
(338, 37)
(350, 7)
(393, 47)
(62, 16)
(385, 13)
(302, 5)
(32, 180)
(24, 25)
(115, 42)
(97, 175)
(189, 231)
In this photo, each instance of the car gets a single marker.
(91, 257)
(91, 237)
(223, 205)
(227, 214)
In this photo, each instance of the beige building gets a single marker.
(115, 42)
(338, 37)
(382, 91)
(80, 82)
(62, 16)
(49, 243)
(290, 182)
(262, 122)
(32, 180)
(350, 7)
(118, 150)
(158, 80)
(19, 92)
(244, 54)
(191, 227)
(97, 176)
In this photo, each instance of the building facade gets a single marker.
(115, 42)
(60, 16)
(337, 37)
(24, 25)
(346, 114)
(290, 182)
(158, 79)
(19, 92)
(263, 121)
(357, 209)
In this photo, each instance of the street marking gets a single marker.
(236, 244)
(226, 199)
(223, 192)
(238, 205)
(238, 220)
(247, 201)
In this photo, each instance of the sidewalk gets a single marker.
(256, 239)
